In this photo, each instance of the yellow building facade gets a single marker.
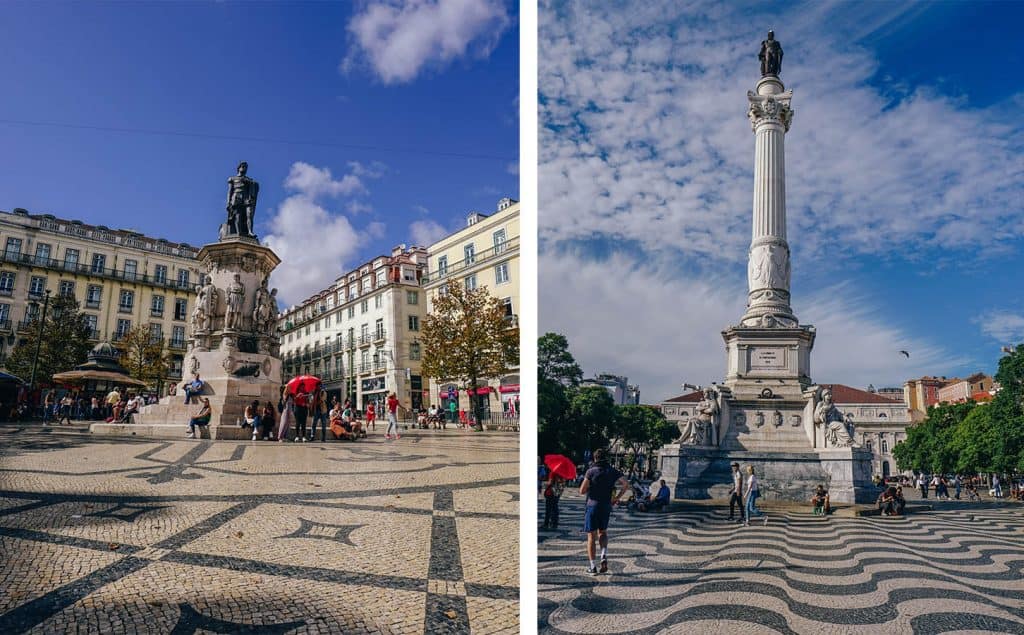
(485, 253)
(121, 279)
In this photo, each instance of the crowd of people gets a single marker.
(64, 406)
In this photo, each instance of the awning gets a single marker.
(77, 376)
(509, 388)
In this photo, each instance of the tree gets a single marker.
(642, 428)
(589, 421)
(555, 362)
(467, 338)
(64, 343)
(929, 444)
(144, 356)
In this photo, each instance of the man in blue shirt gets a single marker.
(194, 387)
(599, 486)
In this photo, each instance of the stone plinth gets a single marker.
(704, 473)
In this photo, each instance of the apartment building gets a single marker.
(361, 334)
(920, 394)
(485, 253)
(978, 387)
(121, 279)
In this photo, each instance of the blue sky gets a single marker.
(367, 124)
(904, 184)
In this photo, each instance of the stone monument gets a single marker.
(768, 413)
(234, 344)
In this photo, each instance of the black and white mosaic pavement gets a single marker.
(959, 568)
(101, 535)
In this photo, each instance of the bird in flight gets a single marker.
(905, 354)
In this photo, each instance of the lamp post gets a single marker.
(39, 341)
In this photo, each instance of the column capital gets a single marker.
(770, 109)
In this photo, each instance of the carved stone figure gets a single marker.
(777, 419)
(264, 311)
(206, 307)
(700, 429)
(242, 194)
(770, 56)
(833, 422)
(759, 419)
(769, 267)
(235, 299)
(795, 420)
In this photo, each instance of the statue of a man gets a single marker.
(242, 193)
(235, 299)
(206, 306)
(264, 309)
(770, 56)
(700, 429)
(832, 421)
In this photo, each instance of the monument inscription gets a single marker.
(762, 357)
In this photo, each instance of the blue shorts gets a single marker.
(596, 517)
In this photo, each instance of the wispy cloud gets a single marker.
(426, 232)
(399, 39)
(1007, 327)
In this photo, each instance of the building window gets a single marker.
(307, 330)
(161, 274)
(123, 326)
(469, 251)
(885, 446)
(351, 312)
(327, 321)
(316, 326)
(364, 306)
(499, 241)
(414, 351)
(31, 311)
(412, 297)
(867, 445)
(381, 278)
(99, 263)
(183, 278)
(180, 308)
(442, 266)
(379, 330)
(378, 300)
(36, 286)
(509, 311)
(501, 273)
(156, 333)
(43, 251)
(131, 267)
(90, 321)
(70, 258)
(127, 301)
(157, 307)
(178, 336)
(6, 282)
(92, 296)
(67, 288)
(414, 323)
(470, 282)
(13, 250)
(5, 313)
(443, 289)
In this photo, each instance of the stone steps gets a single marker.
(169, 431)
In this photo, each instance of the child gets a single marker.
(552, 492)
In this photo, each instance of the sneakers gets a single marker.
(398, 436)
(254, 437)
(190, 435)
(604, 565)
(765, 520)
(592, 570)
(387, 436)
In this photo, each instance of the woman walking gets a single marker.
(753, 492)
(302, 402)
(286, 418)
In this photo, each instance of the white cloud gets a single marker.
(661, 329)
(313, 181)
(358, 207)
(643, 137)
(401, 38)
(1005, 326)
(426, 232)
(314, 245)
(421, 209)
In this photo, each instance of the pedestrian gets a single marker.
(65, 409)
(958, 484)
(113, 398)
(552, 493)
(453, 408)
(997, 486)
(320, 411)
(736, 493)
(371, 416)
(753, 493)
(285, 407)
(599, 485)
(302, 401)
(48, 400)
(922, 484)
(392, 406)
(94, 410)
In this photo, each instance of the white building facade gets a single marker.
(361, 334)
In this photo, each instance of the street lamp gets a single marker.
(39, 341)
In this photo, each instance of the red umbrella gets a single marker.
(303, 383)
(561, 466)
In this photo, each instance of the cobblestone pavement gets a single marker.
(102, 535)
(959, 568)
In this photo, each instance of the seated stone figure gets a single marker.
(831, 419)
(700, 429)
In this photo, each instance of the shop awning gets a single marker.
(509, 388)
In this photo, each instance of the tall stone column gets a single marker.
(768, 267)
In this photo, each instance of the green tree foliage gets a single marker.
(64, 343)
(144, 357)
(467, 338)
(642, 428)
(970, 437)
(555, 362)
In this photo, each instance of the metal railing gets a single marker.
(18, 258)
(479, 258)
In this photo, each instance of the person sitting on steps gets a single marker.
(194, 387)
(202, 418)
(821, 503)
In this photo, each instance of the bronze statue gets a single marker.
(242, 193)
(770, 56)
